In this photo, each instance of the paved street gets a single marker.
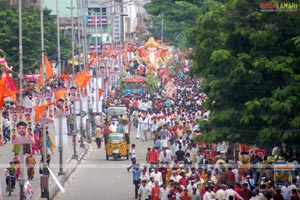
(97, 178)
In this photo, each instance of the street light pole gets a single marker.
(84, 46)
(45, 176)
(162, 28)
(60, 142)
(75, 156)
(22, 163)
(97, 65)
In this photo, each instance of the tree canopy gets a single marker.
(31, 25)
(171, 20)
(249, 60)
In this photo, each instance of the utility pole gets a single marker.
(75, 156)
(60, 142)
(85, 61)
(162, 28)
(97, 65)
(45, 176)
(22, 160)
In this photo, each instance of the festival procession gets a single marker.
(142, 109)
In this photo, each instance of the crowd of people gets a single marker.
(178, 167)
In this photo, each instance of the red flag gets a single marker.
(10, 82)
(100, 91)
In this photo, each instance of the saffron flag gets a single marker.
(39, 110)
(48, 68)
(93, 58)
(59, 94)
(80, 79)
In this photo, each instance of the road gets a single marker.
(97, 178)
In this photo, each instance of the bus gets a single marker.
(134, 85)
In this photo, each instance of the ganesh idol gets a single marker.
(151, 54)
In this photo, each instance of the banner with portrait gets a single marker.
(62, 105)
(74, 93)
(21, 126)
(44, 98)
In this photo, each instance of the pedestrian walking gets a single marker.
(136, 172)
(98, 136)
(30, 163)
(132, 155)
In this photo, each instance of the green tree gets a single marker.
(9, 36)
(172, 20)
(250, 63)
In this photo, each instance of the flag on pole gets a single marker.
(48, 67)
(80, 79)
(39, 110)
(59, 94)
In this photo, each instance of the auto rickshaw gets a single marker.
(117, 146)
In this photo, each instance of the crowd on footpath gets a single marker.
(176, 167)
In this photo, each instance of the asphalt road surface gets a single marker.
(97, 178)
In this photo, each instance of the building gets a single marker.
(115, 21)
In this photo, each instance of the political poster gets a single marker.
(62, 104)
(21, 125)
(74, 93)
(45, 98)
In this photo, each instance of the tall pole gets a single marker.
(83, 13)
(45, 190)
(101, 26)
(22, 163)
(60, 142)
(162, 28)
(75, 156)
(79, 59)
(97, 65)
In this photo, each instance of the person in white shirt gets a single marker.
(113, 127)
(231, 193)
(221, 193)
(151, 183)
(164, 193)
(256, 194)
(156, 175)
(144, 128)
(209, 194)
(285, 191)
(144, 191)
(144, 175)
(164, 141)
